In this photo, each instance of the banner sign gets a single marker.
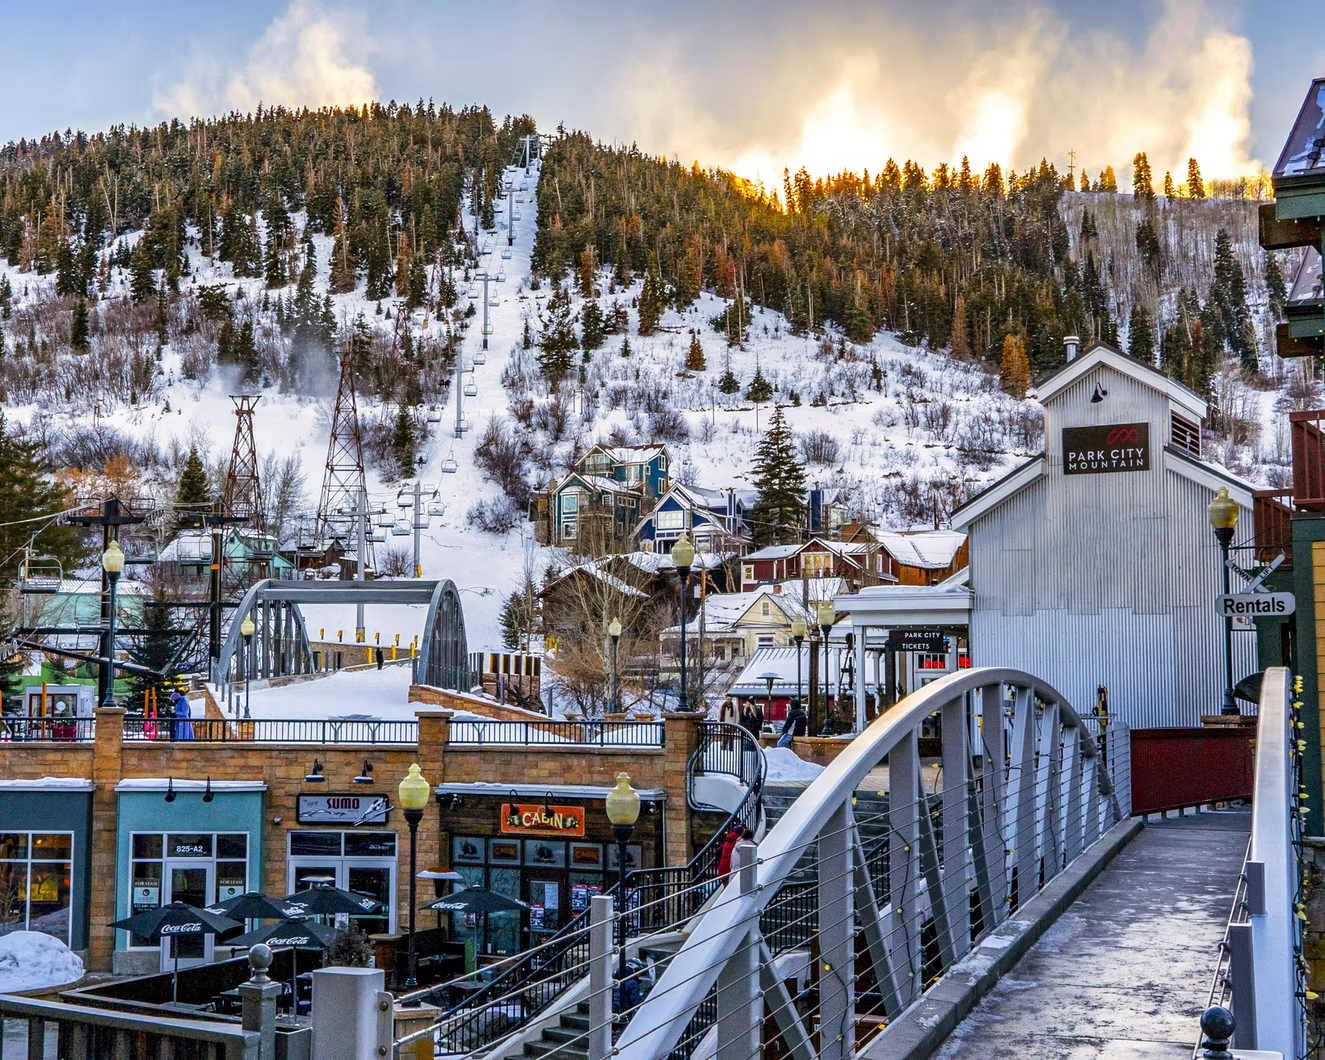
(542, 820)
(926, 640)
(342, 809)
(1104, 450)
(1257, 605)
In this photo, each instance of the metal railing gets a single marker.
(1261, 971)
(661, 899)
(272, 730)
(559, 733)
(49, 730)
(83, 1033)
(876, 926)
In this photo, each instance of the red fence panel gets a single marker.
(1176, 768)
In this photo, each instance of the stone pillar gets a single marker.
(680, 741)
(106, 766)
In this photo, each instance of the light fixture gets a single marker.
(623, 803)
(1099, 395)
(413, 790)
(170, 789)
(1223, 513)
(247, 627)
(366, 774)
(683, 553)
(614, 628)
(315, 777)
(112, 560)
(207, 795)
(827, 615)
(798, 627)
(547, 804)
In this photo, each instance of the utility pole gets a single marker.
(359, 633)
(1071, 169)
(418, 525)
(459, 395)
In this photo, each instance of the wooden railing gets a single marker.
(1308, 459)
(1272, 520)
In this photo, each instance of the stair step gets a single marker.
(555, 1051)
(576, 1022)
(567, 1035)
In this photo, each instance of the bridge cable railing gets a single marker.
(959, 860)
(661, 899)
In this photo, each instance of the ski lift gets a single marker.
(481, 356)
(506, 253)
(383, 519)
(471, 390)
(405, 500)
(400, 530)
(42, 578)
(449, 467)
(440, 509)
(473, 291)
(377, 536)
(515, 215)
(488, 330)
(434, 414)
(501, 275)
(494, 300)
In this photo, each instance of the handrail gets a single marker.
(235, 1043)
(665, 1015)
(668, 894)
(624, 734)
(348, 730)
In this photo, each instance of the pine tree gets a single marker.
(1107, 183)
(592, 331)
(142, 281)
(278, 232)
(344, 275)
(1168, 184)
(1150, 249)
(6, 298)
(652, 299)
(1274, 285)
(1227, 302)
(584, 274)
(78, 327)
(961, 342)
(759, 389)
(193, 493)
(557, 339)
(729, 384)
(246, 352)
(1141, 335)
(27, 496)
(1195, 185)
(404, 441)
(154, 648)
(1143, 188)
(778, 514)
(1015, 370)
(695, 354)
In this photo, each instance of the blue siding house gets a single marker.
(714, 520)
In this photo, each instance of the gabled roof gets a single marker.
(927, 549)
(625, 454)
(1101, 353)
(722, 611)
(996, 493)
(598, 483)
(772, 552)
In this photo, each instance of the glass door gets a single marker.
(377, 881)
(545, 907)
(193, 884)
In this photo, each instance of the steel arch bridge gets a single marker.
(280, 647)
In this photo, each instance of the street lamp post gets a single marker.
(614, 631)
(247, 628)
(1223, 514)
(768, 679)
(683, 554)
(112, 562)
(623, 811)
(413, 797)
(827, 616)
(798, 635)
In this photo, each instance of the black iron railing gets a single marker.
(50, 730)
(272, 730)
(559, 733)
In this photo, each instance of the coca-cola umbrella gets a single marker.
(325, 900)
(299, 933)
(175, 920)
(478, 900)
(253, 906)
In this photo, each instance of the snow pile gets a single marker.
(31, 960)
(783, 766)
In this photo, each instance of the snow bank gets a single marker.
(783, 766)
(30, 960)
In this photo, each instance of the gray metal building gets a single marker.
(1095, 563)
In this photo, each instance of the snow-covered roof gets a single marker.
(49, 784)
(722, 611)
(782, 661)
(537, 791)
(598, 482)
(773, 552)
(628, 454)
(1099, 353)
(595, 569)
(928, 549)
(660, 562)
(179, 784)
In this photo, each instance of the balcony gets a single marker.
(1308, 459)
(1272, 520)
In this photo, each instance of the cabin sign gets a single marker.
(1103, 450)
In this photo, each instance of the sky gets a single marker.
(754, 87)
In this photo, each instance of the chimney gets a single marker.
(1070, 341)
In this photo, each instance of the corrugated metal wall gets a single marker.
(1110, 578)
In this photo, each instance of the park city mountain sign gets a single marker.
(1107, 449)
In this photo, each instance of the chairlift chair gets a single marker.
(501, 275)
(440, 509)
(377, 536)
(506, 253)
(471, 390)
(515, 215)
(449, 467)
(434, 414)
(481, 356)
(494, 299)
(42, 578)
(400, 530)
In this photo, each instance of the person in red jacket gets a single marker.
(729, 842)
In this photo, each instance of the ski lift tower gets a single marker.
(243, 490)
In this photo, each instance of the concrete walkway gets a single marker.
(1124, 973)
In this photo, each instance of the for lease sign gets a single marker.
(1104, 450)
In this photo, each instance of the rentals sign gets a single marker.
(1107, 449)
(1257, 605)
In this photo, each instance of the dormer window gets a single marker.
(1185, 435)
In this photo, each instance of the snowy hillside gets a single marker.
(906, 433)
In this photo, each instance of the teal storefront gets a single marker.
(183, 841)
(45, 857)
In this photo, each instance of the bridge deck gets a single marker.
(1125, 972)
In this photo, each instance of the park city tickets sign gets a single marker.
(1107, 449)
(541, 819)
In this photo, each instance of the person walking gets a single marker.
(795, 725)
(183, 726)
(750, 721)
(729, 842)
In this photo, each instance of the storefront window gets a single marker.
(363, 862)
(35, 873)
(198, 868)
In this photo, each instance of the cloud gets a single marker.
(300, 60)
(856, 86)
